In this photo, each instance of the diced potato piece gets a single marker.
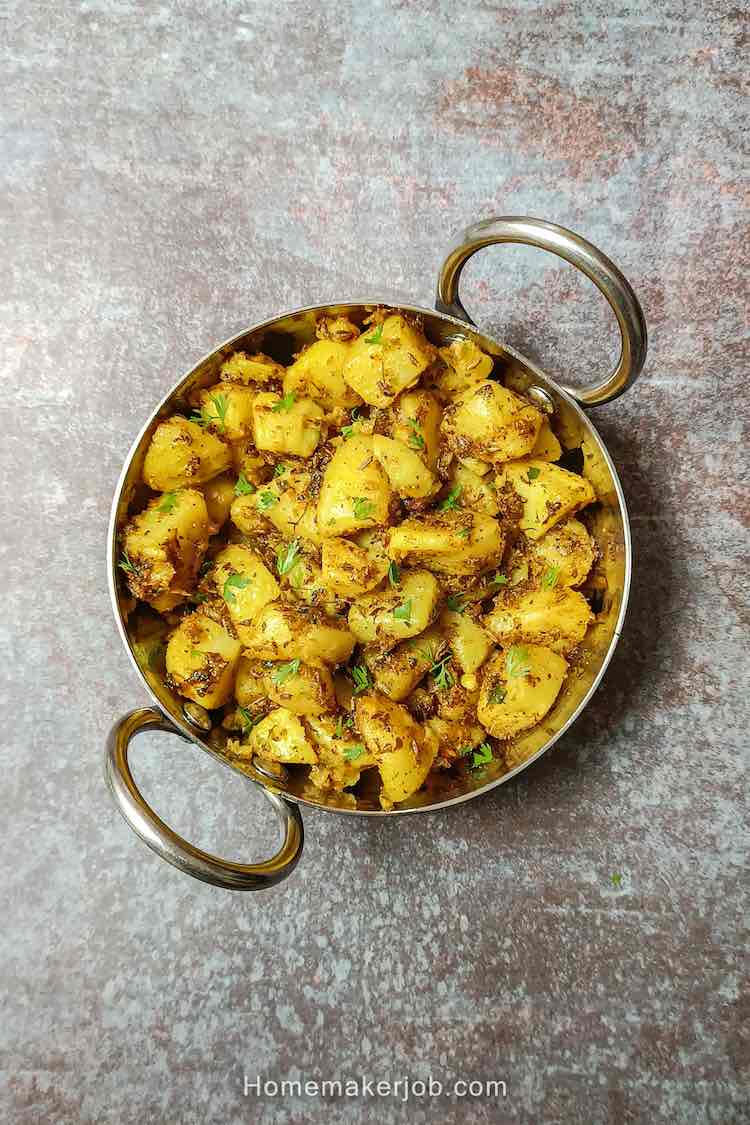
(466, 366)
(285, 632)
(386, 359)
(165, 545)
(318, 373)
(557, 618)
(549, 493)
(219, 497)
(232, 408)
(468, 641)
(564, 555)
(286, 425)
(286, 502)
(281, 737)
(249, 688)
(518, 689)
(350, 570)
(395, 614)
(182, 453)
(251, 370)
(491, 423)
(337, 327)
(245, 584)
(402, 751)
(453, 739)
(478, 468)
(451, 543)
(201, 660)
(416, 415)
(397, 673)
(406, 472)
(477, 492)
(547, 446)
(355, 492)
(341, 753)
(302, 688)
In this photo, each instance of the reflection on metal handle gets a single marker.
(166, 843)
(580, 253)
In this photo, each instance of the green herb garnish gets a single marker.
(616, 880)
(168, 501)
(243, 486)
(532, 474)
(285, 403)
(451, 501)
(287, 559)
(499, 580)
(343, 723)
(455, 603)
(126, 565)
(266, 500)
(279, 470)
(517, 662)
(403, 612)
(480, 755)
(197, 598)
(549, 578)
(441, 674)
(234, 582)
(248, 721)
(284, 671)
(204, 417)
(394, 575)
(353, 752)
(363, 508)
(377, 336)
(416, 438)
(361, 678)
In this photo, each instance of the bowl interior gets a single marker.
(584, 451)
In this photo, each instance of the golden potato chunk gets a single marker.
(450, 543)
(355, 492)
(547, 447)
(164, 547)
(201, 660)
(286, 424)
(464, 366)
(549, 493)
(519, 686)
(564, 555)
(341, 753)
(386, 359)
(395, 614)
(468, 641)
(318, 373)
(251, 370)
(476, 492)
(407, 473)
(246, 585)
(349, 570)
(415, 422)
(284, 632)
(219, 496)
(229, 408)
(397, 673)
(557, 618)
(301, 687)
(491, 423)
(183, 453)
(398, 744)
(281, 737)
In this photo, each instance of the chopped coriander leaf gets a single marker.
(482, 755)
(287, 559)
(279, 470)
(247, 719)
(416, 438)
(284, 671)
(517, 662)
(168, 501)
(465, 532)
(403, 612)
(550, 576)
(451, 501)
(285, 403)
(267, 500)
(455, 603)
(125, 564)
(499, 580)
(363, 508)
(361, 678)
(394, 575)
(343, 723)
(204, 417)
(353, 752)
(233, 582)
(532, 474)
(346, 432)
(441, 674)
(377, 336)
(427, 653)
(243, 486)
(497, 695)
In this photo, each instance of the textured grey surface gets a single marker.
(175, 172)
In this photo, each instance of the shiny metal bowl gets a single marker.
(281, 337)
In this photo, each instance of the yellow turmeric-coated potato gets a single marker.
(355, 493)
(394, 614)
(519, 686)
(318, 373)
(383, 554)
(557, 617)
(491, 423)
(163, 548)
(286, 424)
(245, 584)
(201, 660)
(407, 474)
(386, 359)
(399, 745)
(549, 493)
(183, 453)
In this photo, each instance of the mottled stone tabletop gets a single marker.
(174, 172)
